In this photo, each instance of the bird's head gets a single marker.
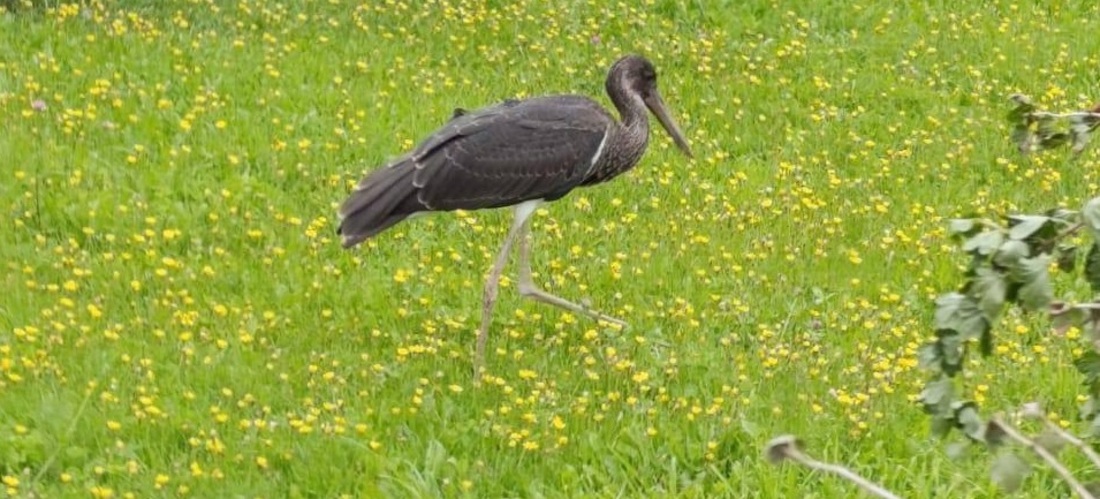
(637, 77)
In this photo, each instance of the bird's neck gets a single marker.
(634, 116)
(632, 134)
(632, 110)
(631, 138)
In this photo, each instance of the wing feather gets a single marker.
(502, 155)
(506, 154)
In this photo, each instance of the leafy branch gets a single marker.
(1008, 470)
(1010, 264)
(1034, 129)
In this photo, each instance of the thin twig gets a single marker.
(1033, 410)
(1081, 445)
(789, 447)
(1045, 455)
(1069, 230)
(1077, 114)
(1081, 306)
(863, 483)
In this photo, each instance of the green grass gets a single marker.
(179, 318)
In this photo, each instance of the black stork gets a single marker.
(518, 153)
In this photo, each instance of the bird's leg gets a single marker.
(489, 298)
(528, 288)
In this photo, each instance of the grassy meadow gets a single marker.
(178, 317)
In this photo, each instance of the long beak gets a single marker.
(654, 103)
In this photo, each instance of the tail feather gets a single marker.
(381, 200)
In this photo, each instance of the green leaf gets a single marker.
(989, 288)
(965, 226)
(1081, 127)
(936, 399)
(969, 421)
(1080, 141)
(1022, 137)
(985, 243)
(1013, 292)
(1019, 115)
(1045, 128)
(1090, 216)
(1036, 292)
(1022, 112)
(1008, 471)
(937, 395)
(1067, 257)
(960, 313)
(1056, 139)
(995, 434)
(1084, 123)
(944, 354)
(1025, 225)
(928, 356)
(1011, 252)
(1088, 364)
(1092, 267)
(942, 424)
(985, 346)
(977, 261)
(946, 306)
(951, 350)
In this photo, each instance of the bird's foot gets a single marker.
(529, 290)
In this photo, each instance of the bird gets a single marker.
(519, 153)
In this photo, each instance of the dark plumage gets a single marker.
(516, 153)
(489, 158)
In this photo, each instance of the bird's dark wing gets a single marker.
(502, 155)
(497, 156)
